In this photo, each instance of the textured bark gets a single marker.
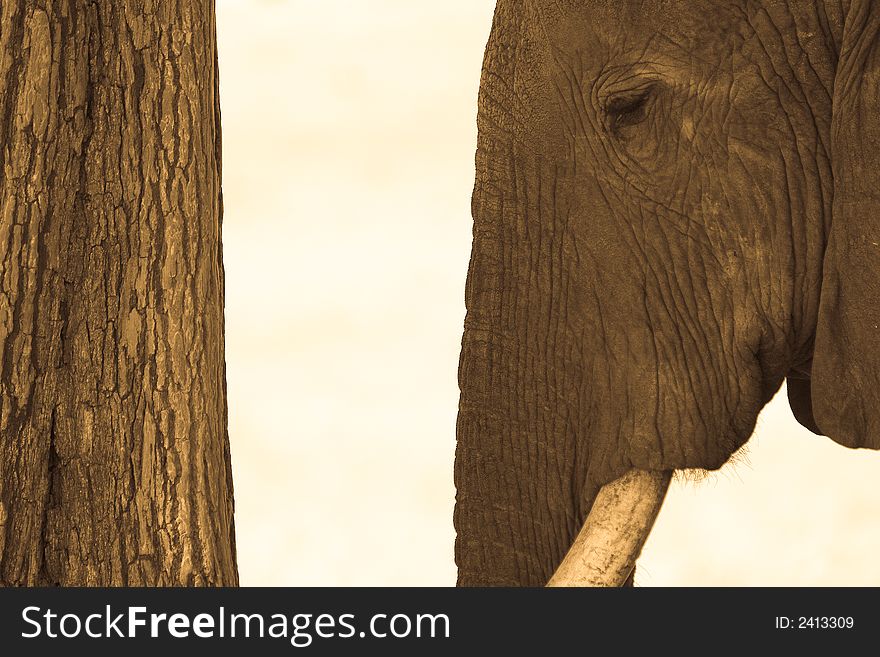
(114, 457)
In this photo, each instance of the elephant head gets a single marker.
(677, 206)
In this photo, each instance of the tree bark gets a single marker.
(114, 453)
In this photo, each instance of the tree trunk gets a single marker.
(114, 454)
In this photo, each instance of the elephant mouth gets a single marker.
(605, 550)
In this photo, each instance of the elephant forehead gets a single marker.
(634, 11)
(636, 25)
(604, 10)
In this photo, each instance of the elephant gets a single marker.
(676, 210)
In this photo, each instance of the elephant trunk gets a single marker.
(540, 429)
(535, 440)
(520, 499)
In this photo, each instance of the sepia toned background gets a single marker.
(348, 144)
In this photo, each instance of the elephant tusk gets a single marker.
(607, 546)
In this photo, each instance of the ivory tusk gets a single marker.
(605, 550)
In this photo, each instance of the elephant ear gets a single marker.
(845, 386)
(799, 392)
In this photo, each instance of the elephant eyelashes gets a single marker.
(628, 109)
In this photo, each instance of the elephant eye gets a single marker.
(628, 109)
